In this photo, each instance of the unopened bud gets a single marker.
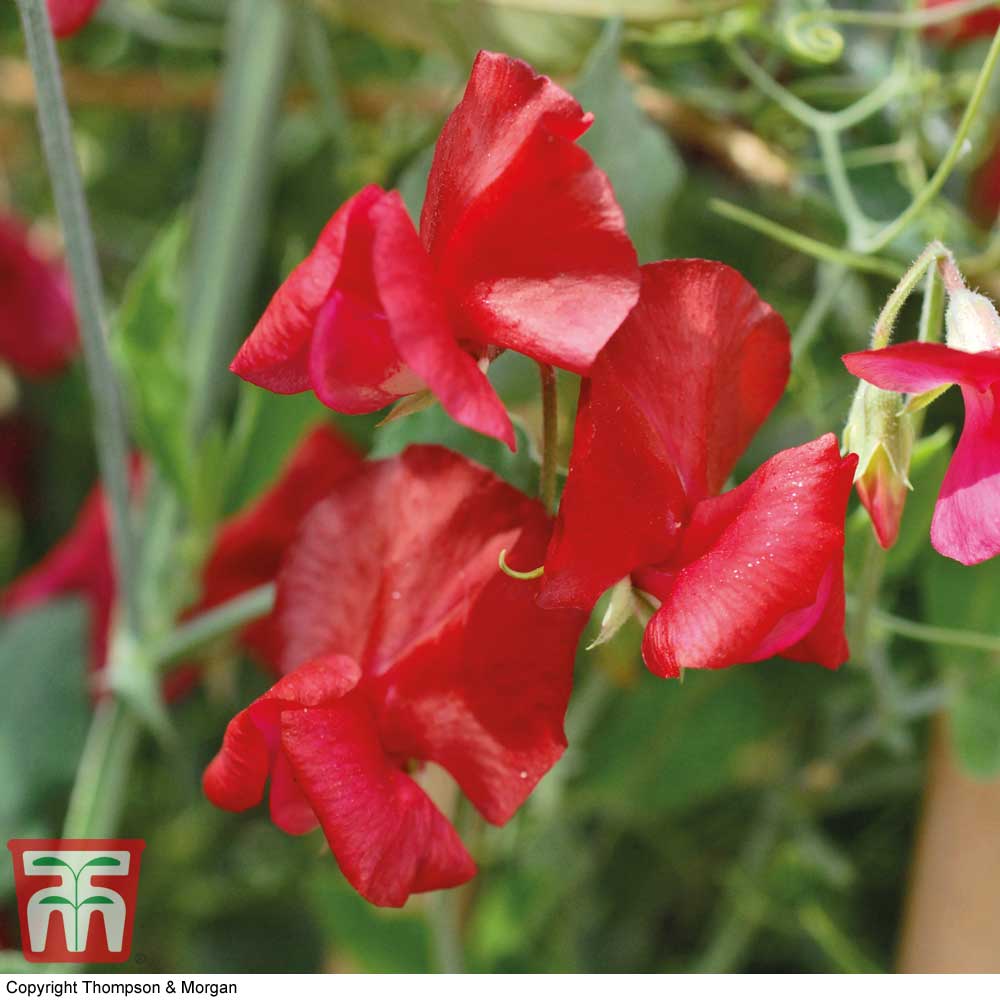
(881, 435)
(971, 322)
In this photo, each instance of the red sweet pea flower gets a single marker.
(521, 246)
(671, 403)
(69, 16)
(246, 553)
(251, 544)
(37, 325)
(981, 23)
(966, 523)
(403, 642)
(79, 565)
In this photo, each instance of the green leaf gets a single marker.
(44, 711)
(103, 862)
(97, 901)
(975, 720)
(148, 340)
(637, 156)
(380, 940)
(931, 456)
(278, 424)
(434, 426)
(56, 899)
(964, 597)
(694, 738)
(51, 863)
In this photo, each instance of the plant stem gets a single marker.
(446, 931)
(936, 635)
(804, 244)
(550, 437)
(882, 333)
(233, 196)
(934, 185)
(913, 19)
(190, 637)
(99, 790)
(81, 254)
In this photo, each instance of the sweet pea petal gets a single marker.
(393, 555)
(276, 354)
(753, 557)
(354, 366)
(524, 231)
(236, 777)
(251, 544)
(966, 523)
(671, 403)
(486, 697)
(69, 16)
(38, 333)
(81, 565)
(387, 836)
(419, 326)
(920, 367)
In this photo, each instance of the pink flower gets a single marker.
(966, 523)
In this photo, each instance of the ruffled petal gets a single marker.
(920, 367)
(826, 643)
(524, 231)
(486, 697)
(751, 559)
(419, 326)
(387, 836)
(672, 402)
(276, 354)
(966, 523)
(393, 555)
(354, 365)
(38, 333)
(250, 545)
(236, 777)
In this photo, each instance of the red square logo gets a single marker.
(76, 898)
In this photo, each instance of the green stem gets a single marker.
(818, 121)
(804, 244)
(110, 432)
(233, 196)
(935, 635)
(830, 281)
(550, 436)
(882, 332)
(934, 185)
(854, 218)
(932, 310)
(915, 19)
(98, 794)
(446, 932)
(193, 635)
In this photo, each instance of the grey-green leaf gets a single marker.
(636, 154)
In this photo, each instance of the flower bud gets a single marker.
(971, 322)
(881, 434)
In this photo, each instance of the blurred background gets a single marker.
(758, 819)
